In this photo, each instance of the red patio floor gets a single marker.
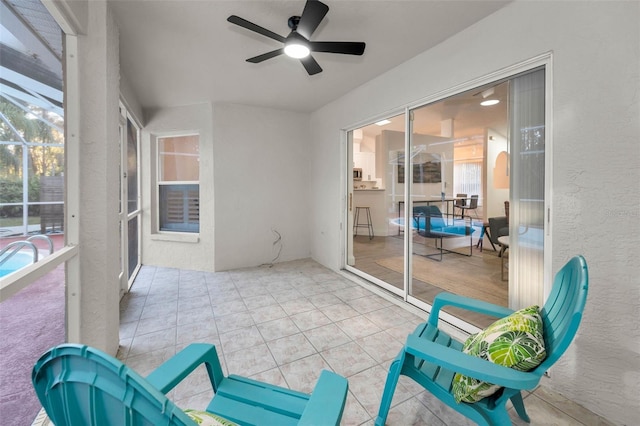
(31, 321)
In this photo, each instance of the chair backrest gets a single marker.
(432, 217)
(473, 202)
(461, 200)
(563, 309)
(79, 385)
(498, 227)
(435, 218)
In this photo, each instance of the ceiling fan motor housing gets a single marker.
(293, 22)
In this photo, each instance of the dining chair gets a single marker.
(498, 227)
(461, 201)
(473, 205)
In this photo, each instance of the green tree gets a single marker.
(43, 159)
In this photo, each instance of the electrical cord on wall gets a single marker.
(276, 243)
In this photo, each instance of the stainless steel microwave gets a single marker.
(357, 174)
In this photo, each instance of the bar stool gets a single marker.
(368, 224)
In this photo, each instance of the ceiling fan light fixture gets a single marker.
(297, 44)
(296, 50)
(489, 102)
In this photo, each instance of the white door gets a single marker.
(130, 212)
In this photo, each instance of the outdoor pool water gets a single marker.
(17, 261)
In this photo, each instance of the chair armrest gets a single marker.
(175, 369)
(470, 365)
(327, 401)
(449, 299)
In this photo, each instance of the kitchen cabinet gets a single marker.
(367, 162)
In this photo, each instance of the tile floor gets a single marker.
(284, 324)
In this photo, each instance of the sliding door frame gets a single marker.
(545, 61)
(127, 275)
(346, 142)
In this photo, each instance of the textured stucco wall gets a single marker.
(130, 101)
(254, 164)
(595, 133)
(261, 184)
(197, 255)
(98, 58)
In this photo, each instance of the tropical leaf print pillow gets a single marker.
(516, 341)
(204, 418)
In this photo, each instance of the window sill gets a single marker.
(177, 237)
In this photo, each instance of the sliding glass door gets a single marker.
(424, 187)
(454, 143)
(375, 244)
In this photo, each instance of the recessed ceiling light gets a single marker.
(489, 102)
(383, 122)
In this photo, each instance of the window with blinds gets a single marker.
(180, 208)
(178, 183)
(467, 177)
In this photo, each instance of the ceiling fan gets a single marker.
(297, 43)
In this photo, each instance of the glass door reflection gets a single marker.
(458, 153)
(375, 237)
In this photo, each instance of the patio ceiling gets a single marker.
(185, 52)
(197, 56)
(31, 51)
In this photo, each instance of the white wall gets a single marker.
(262, 185)
(129, 99)
(178, 250)
(97, 216)
(494, 197)
(596, 165)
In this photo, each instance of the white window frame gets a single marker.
(160, 183)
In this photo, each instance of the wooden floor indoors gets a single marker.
(478, 275)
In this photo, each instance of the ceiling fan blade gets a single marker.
(311, 65)
(313, 13)
(255, 28)
(344, 47)
(265, 56)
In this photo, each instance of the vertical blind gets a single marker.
(526, 216)
(467, 178)
(181, 210)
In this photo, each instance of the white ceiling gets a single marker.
(183, 52)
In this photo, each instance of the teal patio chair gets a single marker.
(431, 357)
(80, 385)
